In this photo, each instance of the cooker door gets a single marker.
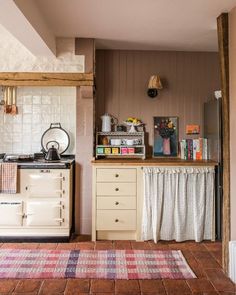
(11, 213)
(43, 183)
(40, 213)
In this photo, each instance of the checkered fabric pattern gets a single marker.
(8, 178)
(101, 264)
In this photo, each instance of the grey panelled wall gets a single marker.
(189, 79)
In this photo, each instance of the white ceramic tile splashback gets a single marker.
(38, 107)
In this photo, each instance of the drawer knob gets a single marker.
(117, 203)
(116, 220)
(117, 189)
(117, 175)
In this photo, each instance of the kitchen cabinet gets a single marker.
(43, 206)
(118, 196)
(114, 203)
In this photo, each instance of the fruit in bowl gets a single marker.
(133, 122)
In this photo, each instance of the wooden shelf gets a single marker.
(46, 79)
(155, 162)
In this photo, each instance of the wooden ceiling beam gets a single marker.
(46, 79)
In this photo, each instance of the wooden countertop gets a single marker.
(154, 162)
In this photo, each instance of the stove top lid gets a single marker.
(18, 157)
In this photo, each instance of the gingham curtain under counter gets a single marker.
(178, 203)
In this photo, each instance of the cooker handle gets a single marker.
(53, 125)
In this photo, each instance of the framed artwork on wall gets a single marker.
(165, 137)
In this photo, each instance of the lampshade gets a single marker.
(154, 82)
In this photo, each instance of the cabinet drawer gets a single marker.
(116, 219)
(116, 203)
(116, 189)
(116, 175)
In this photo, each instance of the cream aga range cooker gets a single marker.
(42, 206)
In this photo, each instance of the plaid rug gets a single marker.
(107, 264)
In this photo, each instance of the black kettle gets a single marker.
(52, 154)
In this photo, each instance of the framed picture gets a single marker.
(165, 137)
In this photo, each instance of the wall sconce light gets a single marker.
(154, 85)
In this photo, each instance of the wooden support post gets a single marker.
(223, 40)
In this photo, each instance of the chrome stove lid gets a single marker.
(18, 158)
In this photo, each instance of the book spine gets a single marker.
(182, 149)
(185, 150)
(205, 149)
(191, 148)
(195, 149)
(198, 149)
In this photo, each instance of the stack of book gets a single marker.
(194, 149)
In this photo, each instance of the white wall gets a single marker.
(14, 57)
(38, 107)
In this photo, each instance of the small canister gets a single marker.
(124, 150)
(107, 150)
(100, 150)
(115, 150)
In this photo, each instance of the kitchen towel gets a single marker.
(8, 178)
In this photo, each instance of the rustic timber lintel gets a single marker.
(45, 79)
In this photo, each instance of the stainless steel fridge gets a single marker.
(213, 132)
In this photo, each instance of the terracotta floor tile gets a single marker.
(140, 245)
(176, 287)
(80, 238)
(85, 245)
(201, 254)
(193, 246)
(66, 246)
(201, 285)
(26, 293)
(77, 286)
(226, 293)
(128, 287)
(206, 259)
(187, 254)
(178, 246)
(20, 246)
(104, 245)
(213, 246)
(148, 286)
(10, 245)
(209, 263)
(206, 293)
(29, 245)
(159, 246)
(7, 286)
(109, 293)
(28, 285)
(102, 286)
(53, 286)
(196, 267)
(48, 246)
(220, 281)
(122, 245)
